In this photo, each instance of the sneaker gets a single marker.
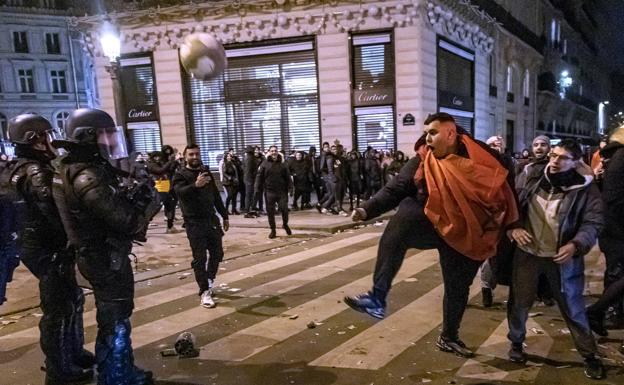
(343, 213)
(250, 214)
(456, 346)
(333, 212)
(206, 299)
(596, 323)
(295, 208)
(323, 211)
(367, 303)
(319, 208)
(594, 368)
(517, 354)
(272, 234)
(487, 298)
(287, 229)
(173, 230)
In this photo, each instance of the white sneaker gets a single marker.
(206, 299)
(323, 210)
(344, 213)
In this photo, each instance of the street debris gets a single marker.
(294, 316)
(564, 331)
(537, 331)
(411, 280)
(536, 314)
(351, 327)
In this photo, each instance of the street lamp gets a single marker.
(565, 82)
(111, 46)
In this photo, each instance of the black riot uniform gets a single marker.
(42, 248)
(101, 218)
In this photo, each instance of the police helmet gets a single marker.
(27, 128)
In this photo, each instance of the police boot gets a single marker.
(116, 361)
(75, 334)
(60, 368)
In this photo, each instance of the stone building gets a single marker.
(43, 66)
(301, 72)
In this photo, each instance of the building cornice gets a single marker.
(237, 22)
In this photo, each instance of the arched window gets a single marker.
(526, 84)
(3, 128)
(60, 119)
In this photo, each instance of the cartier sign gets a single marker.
(142, 114)
(455, 100)
(373, 97)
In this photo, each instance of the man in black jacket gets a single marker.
(42, 248)
(250, 169)
(274, 177)
(612, 238)
(162, 167)
(447, 156)
(200, 201)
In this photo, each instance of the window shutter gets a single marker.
(139, 91)
(262, 99)
(373, 69)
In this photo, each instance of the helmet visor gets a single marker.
(112, 143)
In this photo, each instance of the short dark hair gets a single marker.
(190, 146)
(271, 146)
(440, 117)
(571, 146)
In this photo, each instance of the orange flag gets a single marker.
(470, 201)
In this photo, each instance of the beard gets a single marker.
(194, 163)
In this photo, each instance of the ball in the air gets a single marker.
(202, 56)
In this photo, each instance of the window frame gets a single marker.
(52, 43)
(20, 45)
(58, 82)
(26, 79)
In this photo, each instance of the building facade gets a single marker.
(302, 72)
(44, 67)
(571, 52)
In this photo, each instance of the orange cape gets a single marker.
(470, 201)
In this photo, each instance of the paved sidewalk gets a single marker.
(165, 254)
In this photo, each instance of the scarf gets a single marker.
(470, 201)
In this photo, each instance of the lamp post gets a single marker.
(111, 46)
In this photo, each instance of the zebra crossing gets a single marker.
(288, 308)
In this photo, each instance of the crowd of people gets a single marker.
(525, 223)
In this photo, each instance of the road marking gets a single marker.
(156, 330)
(495, 348)
(31, 335)
(254, 339)
(378, 345)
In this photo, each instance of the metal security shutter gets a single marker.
(373, 61)
(139, 91)
(267, 96)
(375, 127)
(145, 136)
(463, 118)
(373, 71)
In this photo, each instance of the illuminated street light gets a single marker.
(565, 82)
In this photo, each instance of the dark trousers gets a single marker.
(613, 250)
(410, 228)
(169, 204)
(207, 248)
(354, 192)
(526, 271)
(232, 192)
(299, 193)
(62, 307)
(242, 190)
(249, 196)
(317, 185)
(330, 194)
(339, 193)
(281, 199)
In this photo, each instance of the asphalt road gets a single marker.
(280, 320)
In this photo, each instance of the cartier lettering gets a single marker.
(457, 101)
(368, 97)
(134, 113)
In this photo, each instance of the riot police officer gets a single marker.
(101, 220)
(42, 248)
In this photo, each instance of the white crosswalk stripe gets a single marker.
(375, 347)
(242, 345)
(31, 335)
